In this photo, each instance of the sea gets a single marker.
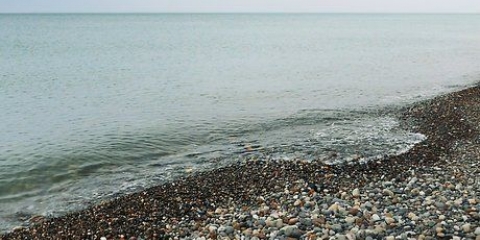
(93, 106)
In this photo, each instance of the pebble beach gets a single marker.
(431, 191)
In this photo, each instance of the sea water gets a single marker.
(96, 105)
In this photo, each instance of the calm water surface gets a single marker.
(98, 105)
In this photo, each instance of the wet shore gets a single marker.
(430, 192)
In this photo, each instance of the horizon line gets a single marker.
(240, 12)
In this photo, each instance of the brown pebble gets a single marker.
(318, 222)
(292, 221)
(311, 236)
(353, 211)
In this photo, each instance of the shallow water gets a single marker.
(98, 105)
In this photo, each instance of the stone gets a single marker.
(318, 222)
(356, 192)
(292, 221)
(412, 216)
(353, 211)
(292, 231)
(340, 237)
(389, 220)
(212, 228)
(247, 232)
(375, 218)
(388, 192)
(412, 182)
(337, 228)
(278, 223)
(368, 205)
(333, 207)
(387, 183)
(467, 227)
(229, 230)
(415, 192)
(350, 220)
(440, 205)
(350, 236)
(307, 222)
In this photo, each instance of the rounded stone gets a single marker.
(336, 227)
(356, 192)
(292, 221)
(388, 192)
(368, 205)
(229, 230)
(212, 228)
(412, 216)
(353, 211)
(375, 217)
(389, 220)
(292, 231)
(467, 227)
(350, 220)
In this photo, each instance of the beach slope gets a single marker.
(430, 192)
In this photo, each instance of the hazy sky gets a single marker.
(240, 6)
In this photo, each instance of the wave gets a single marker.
(69, 178)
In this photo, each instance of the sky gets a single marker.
(406, 6)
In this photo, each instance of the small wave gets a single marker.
(122, 164)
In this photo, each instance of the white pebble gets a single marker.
(412, 216)
(356, 192)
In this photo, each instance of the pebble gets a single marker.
(388, 192)
(292, 221)
(375, 218)
(368, 205)
(389, 220)
(356, 192)
(350, 220)
(336, 228)
(292, 231)
(412, 216)
(467, 227)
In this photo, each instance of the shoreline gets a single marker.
(431, 191)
